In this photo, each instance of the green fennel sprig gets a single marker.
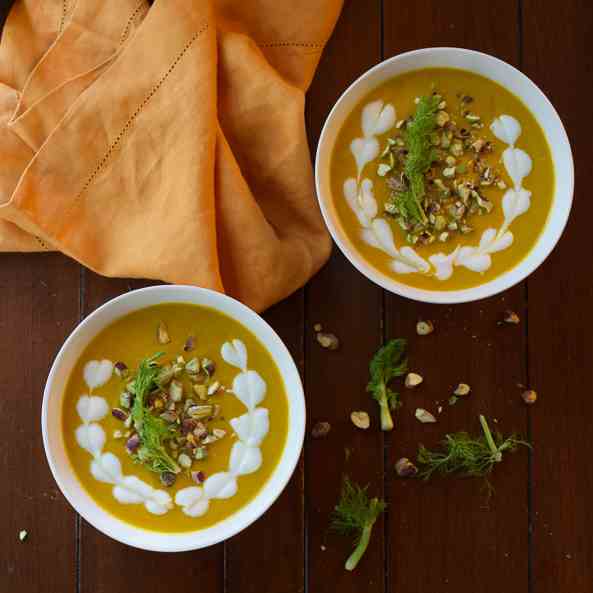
(466, 455)
(389, 362)
(151, 430)
(355, 514)
(419, 158)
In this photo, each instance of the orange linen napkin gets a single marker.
(164, 142)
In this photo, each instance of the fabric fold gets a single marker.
(167, 142)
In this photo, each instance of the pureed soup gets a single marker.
(442, 179)
(174, 417)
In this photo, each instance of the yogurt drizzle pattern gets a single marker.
(378, 118)
(245, 458)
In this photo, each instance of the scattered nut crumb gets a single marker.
(424, 416)
(318, 327)
(404, 468)
(360, 419)
(413, 379)
(423, 328)
(23, 535)
(323, 548)
(440, 409)
(511, 317)
(329, 341)
(462, 389)
(320, 430)
(529, 396)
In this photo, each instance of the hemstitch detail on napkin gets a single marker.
(134, 115)
(319, 46)
(133, 16)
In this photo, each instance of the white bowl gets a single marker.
(508, 77)
(54, 443)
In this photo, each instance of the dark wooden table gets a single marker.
(535, 535)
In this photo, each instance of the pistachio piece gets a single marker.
(329, 341)
(190, 344)
(184, 461)
(118, 434)
(23, 535)
(424, 416)
(125, 400)
(121, 369)
(511, 317)
(442, 117)
(200, 412)
(219, 433)
(200, 431)
(188, 425)
(317, 327)
(133, 443)
(449, 172)
(165, 375)
(192, 367)
(162, 333)
(413, 379)
(201, 391)
(320, 430)
(360, 419)
(213, 388)
(200, 453)
(423, 328)
(383, 169)
(167, 479)
(131, 387)
(404, 468)
(472, 117)
(169, 416)
(198, 477)
(462, 389)
(119, 414)
(529, 396)
(209, 366)
(176, 390)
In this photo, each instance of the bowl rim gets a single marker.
(558, 215)
(138, 537)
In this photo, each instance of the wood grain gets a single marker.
(344, 303)
(38, 309)
(446, 535)
(560, 318)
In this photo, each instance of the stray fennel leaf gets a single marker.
(389, 362)
(356, 514)
(466, 455)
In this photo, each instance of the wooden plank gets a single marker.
(560, 318)
(445, 535)
(38, 308)
(276, 540)
(346, 304)
(108, 566)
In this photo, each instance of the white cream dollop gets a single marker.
(96, 373)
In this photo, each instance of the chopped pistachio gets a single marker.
(212, 389)
(449, 172)
(318, 327)
(192, 366)
(413, 379)
(442, 118)
(200, 453)
(383, 169)
(472, 117)
(529, 396)
(199, 412)
(424, 416)
(329, 341)
(176, 391)
(190, 344)
(162, 333)
(404, 468)
(23, 535)
(184, 461)
(462, 389)
(360, 419)
(121, 369)
(511, 317)
(201, 391)
(423, 328)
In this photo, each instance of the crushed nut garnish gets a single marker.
(423, 328)
(413, 379)
(320, 430)
(424, 416)
(162, 333)
(23, 535)
(529, 396)
(329, 341)
(404, 468)
(190, 344)
(360, 419)
(318, 327)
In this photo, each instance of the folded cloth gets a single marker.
(165, 141)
